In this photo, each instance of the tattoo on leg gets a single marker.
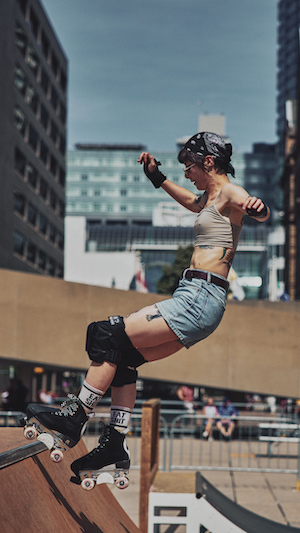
(151, 317)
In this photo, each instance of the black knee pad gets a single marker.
(108, 341)
(124, 376)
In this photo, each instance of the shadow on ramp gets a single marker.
(37, 494)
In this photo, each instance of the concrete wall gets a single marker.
(256, 347)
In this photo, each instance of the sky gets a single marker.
(142, 71)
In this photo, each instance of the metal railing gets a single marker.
(246, 451)
(259, 443)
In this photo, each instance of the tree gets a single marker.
(172, 273)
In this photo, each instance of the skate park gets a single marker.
(256, 348)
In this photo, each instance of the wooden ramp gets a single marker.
(36, 494)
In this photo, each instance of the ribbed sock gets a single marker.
(90, 396)
(120, 418)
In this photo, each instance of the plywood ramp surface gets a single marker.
(36, 494)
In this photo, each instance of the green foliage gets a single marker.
(172, 273)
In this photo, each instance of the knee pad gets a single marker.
(108, 341)
(124, 375)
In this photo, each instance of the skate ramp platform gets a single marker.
(36, 493)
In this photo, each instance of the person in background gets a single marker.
(228, 413)
(210, 411)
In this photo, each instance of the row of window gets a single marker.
(42, 78)
(32, 99)
(39, 147)
(30, 213)
(36, 257)
(73, 207)
(42, 40)
(39, 184)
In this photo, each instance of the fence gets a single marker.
(259, 443)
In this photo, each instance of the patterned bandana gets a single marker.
(206, 143)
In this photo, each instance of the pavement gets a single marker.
(270, 495)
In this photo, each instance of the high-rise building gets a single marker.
(288, 127)
(33, 104)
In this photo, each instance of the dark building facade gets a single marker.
(288, 125)
(33, 104)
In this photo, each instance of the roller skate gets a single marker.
(58, 429)
(112, 450)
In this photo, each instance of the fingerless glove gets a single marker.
(156, 177)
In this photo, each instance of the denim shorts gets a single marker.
(194, 311)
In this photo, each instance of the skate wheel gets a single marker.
(122, 482)
(88, 483)
(30, 433)
(56, 456)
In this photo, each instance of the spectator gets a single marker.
(186, 394)
(228, 412)
(210, 411)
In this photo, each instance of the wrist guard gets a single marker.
(253, 213)
(156, 177)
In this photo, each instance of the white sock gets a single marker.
(120, 417)
(90, 396)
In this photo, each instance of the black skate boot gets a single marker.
(112, 450)
(69, 421)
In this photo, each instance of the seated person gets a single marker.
(210, 411)
(228, 412)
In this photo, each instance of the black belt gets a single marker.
(207, 276)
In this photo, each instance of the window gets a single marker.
(62, 145)
(44, 153)
(60, 240)
(44, 81)
(52, 233)
(123, 192)
(23, 6)
(43, 189)
(53, 199)
(51, 267)
(62, 177)
(62, 113)
(53, 165)
(19, 203)
(53, 132)
(44, 117)
(32, 175)
(31, 252)
(32, 138)
(20, 40)
(32, 60)
(19, 243)
(33, 23)
(45, 45)
(84, 177)
(61, 209)
(20, 80)
(20, 161)
(32, 98)
(42, 260)
(20, 121)
(63, 81)
(43, 225)
(54, 98)
(54, 64)
(32, 214)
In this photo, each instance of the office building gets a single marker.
(116, 217)
(33, 106)
(288, 126)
